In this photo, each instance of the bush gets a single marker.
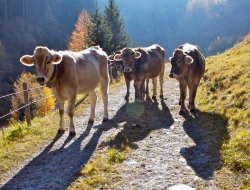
(37, 93)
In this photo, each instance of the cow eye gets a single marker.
(48, 62)
(178, 62)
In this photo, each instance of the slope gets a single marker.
(225, 90)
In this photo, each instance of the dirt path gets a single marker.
(167, 149)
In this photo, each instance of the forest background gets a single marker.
(214, 25)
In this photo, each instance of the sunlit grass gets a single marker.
(225, 90)
(18, 142)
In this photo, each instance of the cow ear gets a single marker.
(27, 60)
(188, 60)
(118, 57)
(170, 58)
(137, 55)
(56, 59)
(111, 57)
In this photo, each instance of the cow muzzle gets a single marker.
(171, 75)
(118, 67)
(127, 70)
(40, 80)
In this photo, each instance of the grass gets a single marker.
(18, 142)
(225, 90)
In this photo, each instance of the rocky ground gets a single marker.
(168, 151)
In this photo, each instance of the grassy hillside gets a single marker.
(225, 90)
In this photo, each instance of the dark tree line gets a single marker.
(108, 29)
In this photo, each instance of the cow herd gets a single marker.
(70, 73)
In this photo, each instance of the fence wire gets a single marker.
(7, 95)
(35, 101)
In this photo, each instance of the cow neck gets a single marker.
(53, 75)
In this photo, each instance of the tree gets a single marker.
(99, 32)
(79, 38)
(120, 38)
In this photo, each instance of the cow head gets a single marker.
(127, 56)
(180, 63)
(44, 61)
(118, 64)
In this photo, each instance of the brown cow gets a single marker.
(70, 73)
(142, 64)
(188, 66)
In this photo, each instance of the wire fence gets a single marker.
(22, 107)
(7, 95)
(26, 105)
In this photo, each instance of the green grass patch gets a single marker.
(18, 142)
(225, 90)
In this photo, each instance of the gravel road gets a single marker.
(169, 151)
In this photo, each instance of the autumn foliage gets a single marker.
(41, 97)
(79, 38)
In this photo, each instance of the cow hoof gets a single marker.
(154, 97)
(60, 131)
(181, 112)
(161, 96)
(192, 110)
(91, 121)
(72, 133)
(105, 120)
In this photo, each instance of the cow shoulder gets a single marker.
(144, 55)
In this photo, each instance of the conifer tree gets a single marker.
(114, 21)
(79, 37)
(99, 32)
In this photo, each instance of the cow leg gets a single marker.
(154, 81)
(92, 99)
(142, 89)
(136, 86)
(61, 112)
(71, 111)
(183, 92)
(147, 91)
(161, 76)
(104, 83)
(192, 94)
(128, 87)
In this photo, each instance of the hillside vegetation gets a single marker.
(225, 90)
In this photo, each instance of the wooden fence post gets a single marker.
(26, 101)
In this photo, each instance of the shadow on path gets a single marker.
(138, 120)
(56, 169)
(208, 132)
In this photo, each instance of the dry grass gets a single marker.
(225, 90)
